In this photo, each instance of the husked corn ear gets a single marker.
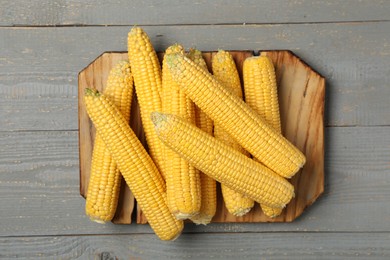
(261, 93)
(148, 86)
(208, 206)
(208, 185)
(134, 163)
(166, 93)
(105, 178)
(236, 117)
(222, 162)
(224, 70)
(182, 179)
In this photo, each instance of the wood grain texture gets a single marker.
(301, 97)
(42, 214)
(45, 67)
(152, 12)
(201, 246)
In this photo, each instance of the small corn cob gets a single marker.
(208, 185)
(182, 179)
(261, 94)
(105, 178)
(148, 86)
(237, 118)
(134, 163)
(224, 70)
(261, 91)
(222, 162)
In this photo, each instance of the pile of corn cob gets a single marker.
(199, 131)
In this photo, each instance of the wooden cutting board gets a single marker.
(301, 93)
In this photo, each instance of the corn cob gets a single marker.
(182, 179)
(105, 178)
(224, 70)
(208, 185)
(261, 94)
(134, 163)
(222, 162)
(237, 118)
(147, 80)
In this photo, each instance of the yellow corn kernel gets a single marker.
(261, 94)
(146, 71)
(208, 185)
(182, 179)
(134, 163)
(196, 56)
(203, 120)
(224, 70)
(236, 117)
(105, 178)
(222, 162)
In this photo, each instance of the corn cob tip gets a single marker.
(202, 219)
(91, 92)
(175, 237)
(175, 48)
(171, 59)
(242, 212)
(135, 29)
(97, 220)
(221, 51)
(158, 118)
(193, 52)
(201, 222)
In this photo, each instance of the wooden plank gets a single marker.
(31, 71)
(38, 102)
(91, 12)
(201, 246)
(39, 187)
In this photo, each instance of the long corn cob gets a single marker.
(136, 166)
(222, 162)
(261, 94)
(224, 70)
(182, 179)
(105, 178)
(208, 185)
(147, 80)
(237, 118)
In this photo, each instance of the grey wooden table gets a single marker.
(43, 46)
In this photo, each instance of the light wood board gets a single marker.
(301, 97)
